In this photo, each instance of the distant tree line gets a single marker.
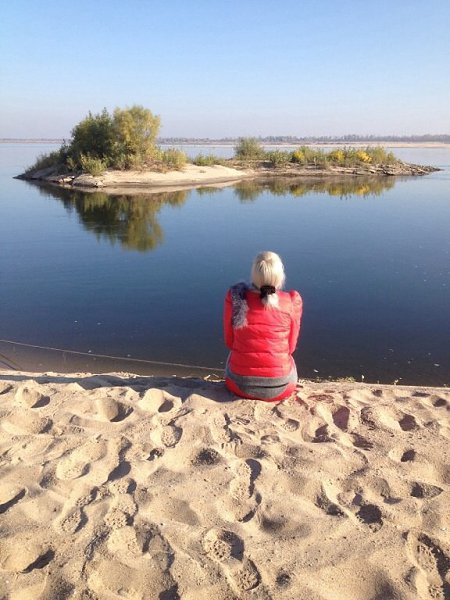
(324, 139)
(277, 139)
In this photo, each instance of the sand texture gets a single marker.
(121, 486)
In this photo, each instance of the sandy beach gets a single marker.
(124, 486)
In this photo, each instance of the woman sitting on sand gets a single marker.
(261, 328)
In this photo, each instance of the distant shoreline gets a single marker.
(231, 143)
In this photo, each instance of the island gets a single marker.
(118, 151)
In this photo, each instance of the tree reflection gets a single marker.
(128, 219)
(249, 190)
(132, 219)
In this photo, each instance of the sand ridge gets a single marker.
(122, 486)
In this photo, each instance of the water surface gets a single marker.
(145, 276)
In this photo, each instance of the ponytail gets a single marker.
(268, 276)
(268, 295)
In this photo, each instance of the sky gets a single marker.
(225, 68)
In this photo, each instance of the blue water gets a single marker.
(144, 277)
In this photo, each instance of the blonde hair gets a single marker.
(268, 269)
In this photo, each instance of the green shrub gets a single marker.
(207, 160)
(379, 156)
(134, 133)
(173, 158)
(298, 156)
(309, 156)
(93, 137)
(337, 156)
(124, 140)
(56, 159)
(278, 158)
(353, 157)
(94, 166)
(249, 149)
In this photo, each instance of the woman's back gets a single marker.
(261, 328)
(262, 346)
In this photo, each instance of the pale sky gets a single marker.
(219, 68)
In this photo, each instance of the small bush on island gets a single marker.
(207, 160)
(278, 158)
(45, 161)
(310, 156)
(298, 156)
(173, 158)
(93, 166)
(249, 149)
(350, 157)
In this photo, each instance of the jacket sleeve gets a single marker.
(228, 321)
(297, 310)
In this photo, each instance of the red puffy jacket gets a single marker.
(261, 347)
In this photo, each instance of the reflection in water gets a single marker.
(132, 219)
(129, 219)
(247, 191)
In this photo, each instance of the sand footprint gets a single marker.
(156, 401)
(370, 515)
(408, 423)
(380, 417)
(242, 486)
(171, 435)
(121, 513)
(125, 545)
(330, 506)
(74, 518)
(221, 545)
(242, 502)
(140, 567)
(247, 577)
(23, 421)
(206, 457)
(71, 468)
(360, 441)
(288, 423)
(10, 495)
(433, 579)
(5, 388)
(32, 555)
(109, 409)
(425, 490)
(113, 579)
(321, 435)
(368, 417)
(341, 417)
(223, 433)
(439, 402)
(72, 521)
(30, 397)
(226, 548)
(402, 454)
(408, 455)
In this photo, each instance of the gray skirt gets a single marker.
(265, 388)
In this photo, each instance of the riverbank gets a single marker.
(122, 485)
(191, 176)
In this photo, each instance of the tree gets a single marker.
(122, 140)
(135, 130)
(93, 137)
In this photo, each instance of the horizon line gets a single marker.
(444, 137)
